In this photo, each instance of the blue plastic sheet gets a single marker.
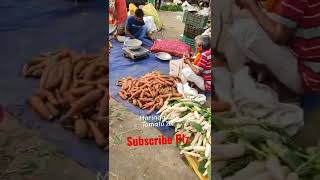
(28, 28)
(122, 67)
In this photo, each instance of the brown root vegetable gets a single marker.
(52, 109)
(47, 95)
(148, 105)
(90, 71)
(80, 91)
(122, 95)
(69, 98)
(151, 110)
(45, 75)
(54, 77)
(101, 141)
(103, 106)
(67, 76)
(81, 128)
(40, 107)
(84, 102)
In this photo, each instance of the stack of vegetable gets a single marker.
(194, 121)
(150, 91)
(73, 87)
(247, 149)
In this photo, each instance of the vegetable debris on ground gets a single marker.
(73, 88)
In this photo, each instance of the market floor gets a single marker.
(141, 162)
(24, 156)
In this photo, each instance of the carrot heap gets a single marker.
(150, 91)
(73, 88)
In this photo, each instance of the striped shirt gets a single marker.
(204, 65)
(304, 17)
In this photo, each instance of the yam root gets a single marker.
(52, 109)
(81, 128)
(85, 101)
(40, 107)
(103, 108)
(101, 141)
(67, 76)
(47, 95)
(80, 91)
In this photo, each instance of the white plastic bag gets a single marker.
(151, 25)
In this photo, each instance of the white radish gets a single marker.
(228, 151)
(252, 169)
(200, 140)
(274, 166)
(196, 137)
(262, 176)
(208, 151)
(199, 148)
(192, 154)
(205, 172)
(292, 176)
(220, 137)
(196, 114)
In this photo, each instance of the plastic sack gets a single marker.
(149, 22)
(149, 10)
(132, 9)
(173, 47)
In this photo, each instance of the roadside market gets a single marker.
(147, 71)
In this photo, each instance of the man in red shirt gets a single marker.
(200, 74)
(287, 42)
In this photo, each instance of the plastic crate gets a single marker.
(192, 31)
(189, 41)
(196, 20)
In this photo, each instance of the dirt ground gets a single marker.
(141, 162)
(24, 156)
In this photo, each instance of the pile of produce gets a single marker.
(73, 89)
(148, 92)
(194, 121)
(171, 7)
(247, 149)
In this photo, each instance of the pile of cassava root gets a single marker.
(73, 88)
(150, 91)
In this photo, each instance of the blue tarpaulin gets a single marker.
(28, 28)
(122, 67)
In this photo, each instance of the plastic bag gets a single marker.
(148, 20)
(149, 10)
(173, 47)
(132, 9)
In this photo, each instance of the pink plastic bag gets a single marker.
(173, 47)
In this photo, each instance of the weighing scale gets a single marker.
(135, 54)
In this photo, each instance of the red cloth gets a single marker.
(205, 65)
(121, 10)
(304, 17)
(173, 47)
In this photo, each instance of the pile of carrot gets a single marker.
(150, 91)
(74, 90)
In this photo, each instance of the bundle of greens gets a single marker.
(194, 121)
(246, 149)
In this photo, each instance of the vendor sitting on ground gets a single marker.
(286, 41)
(136, 28)
(199, 73)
